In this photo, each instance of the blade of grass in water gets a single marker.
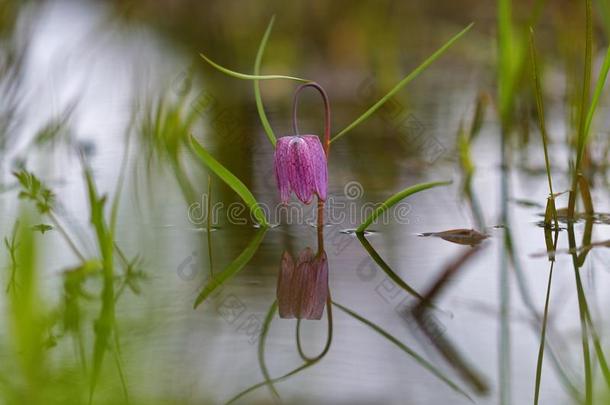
(599, 86)
(541, 122)
(261, 349)
(402, 83)
(233, 268)
(544, 321)
(423, 362)
(231, 180)
(245, 76)
(390, 202)
(257, 91)
(584, 102)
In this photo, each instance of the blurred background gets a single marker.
(108, 240)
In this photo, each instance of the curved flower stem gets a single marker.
(326, 112)
(326, 130)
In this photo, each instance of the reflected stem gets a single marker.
(544, 323)
(582, 304)
(261, 350)
(329, 338)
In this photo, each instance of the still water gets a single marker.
(80, 57)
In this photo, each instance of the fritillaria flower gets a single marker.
(300, 166)
(302, 288)
(301, 160)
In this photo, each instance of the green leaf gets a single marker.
(402, 83)
(232, 269)
(390, 202)
(231, 180)
(599, 87)
(249, 77)
(257, 91)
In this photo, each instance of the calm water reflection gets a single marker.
(393, 286)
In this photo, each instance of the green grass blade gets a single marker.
(257, 90)
(584, 102)
(586, 83)
(233, 268)
(402, 83)
(540, 109)
(599, 86)
(231, 180)
(393, 200)
(244, 76)
(423, 362)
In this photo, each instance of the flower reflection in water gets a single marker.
(302, 288)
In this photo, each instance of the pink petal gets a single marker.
(301, 174)
(320, 167)
(282, 167)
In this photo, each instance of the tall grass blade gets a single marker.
(393, 200)
(584, 102)
(402, 83)
(231, 180)
(540, 110)
(257, 91)
(585, 194)
(599, 87)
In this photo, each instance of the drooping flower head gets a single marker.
(301, 160)
(302, 288)
(300, 166)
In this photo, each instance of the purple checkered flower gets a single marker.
(300, 166)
